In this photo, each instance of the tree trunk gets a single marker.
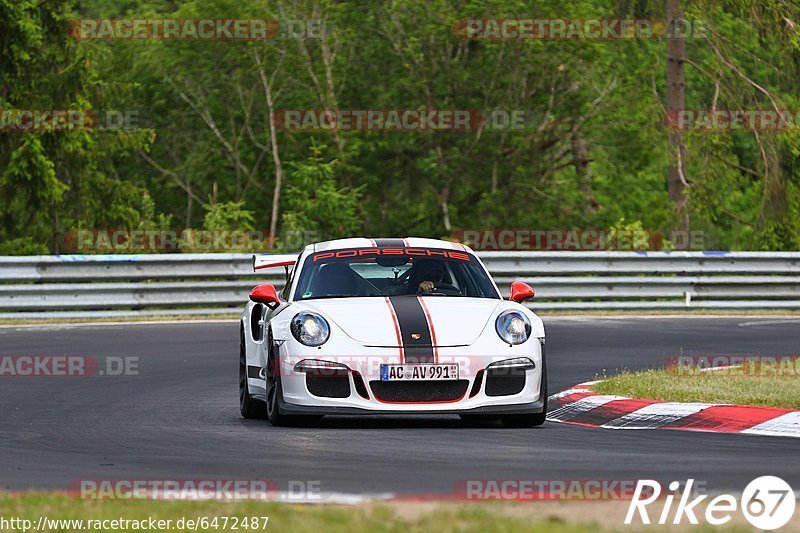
(580, 154)
(276, 158)
(56, 247)
(496, 162)
(189, 204)
(676, 101)
(444, 199)
(444, 193)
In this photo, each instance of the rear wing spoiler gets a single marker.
(261, 262)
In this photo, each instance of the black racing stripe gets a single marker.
(389, 243)
(413, 323)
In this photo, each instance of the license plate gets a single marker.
(419, 372)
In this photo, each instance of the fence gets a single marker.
(166, 284)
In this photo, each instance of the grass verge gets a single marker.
(402, 516)
(284, 517)
(748, 384)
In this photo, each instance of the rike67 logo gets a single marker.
(767, 502)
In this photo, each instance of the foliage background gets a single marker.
(204, 156)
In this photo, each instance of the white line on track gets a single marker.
(769, 322)
(599, 318)
(115, 324)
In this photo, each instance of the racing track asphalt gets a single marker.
(178, 419)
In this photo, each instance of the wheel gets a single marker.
(249, 407)
(537, 419)
(274, 392)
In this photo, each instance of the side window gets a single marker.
(481, 282)
(451, 276)
(255, 317)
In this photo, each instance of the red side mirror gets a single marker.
(520, 292)
(265, 294)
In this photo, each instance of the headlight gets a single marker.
(513, 327)
(310, 329)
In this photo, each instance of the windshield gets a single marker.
(392, 272)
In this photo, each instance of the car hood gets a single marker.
(455, 321)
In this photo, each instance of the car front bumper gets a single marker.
(488, 410)
(473, 394)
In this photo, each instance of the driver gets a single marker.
(430, 274)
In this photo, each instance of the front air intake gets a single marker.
(504, 381)
(419, 391)
(328, 383)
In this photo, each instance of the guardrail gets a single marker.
(128, 285)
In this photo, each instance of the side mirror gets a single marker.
(520, 292)
(265, 294)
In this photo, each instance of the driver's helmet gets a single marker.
(428, 270)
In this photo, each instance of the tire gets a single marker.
(537, 419)
(275, 392)
(248, 406)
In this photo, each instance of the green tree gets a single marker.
(52, 181)
(316, 204)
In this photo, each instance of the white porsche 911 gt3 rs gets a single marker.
(390, 326)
